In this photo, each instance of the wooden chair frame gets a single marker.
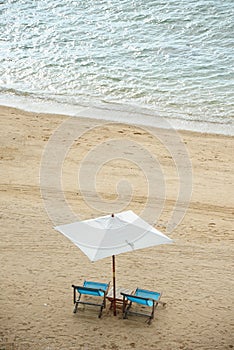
(96, 292)
(128, 299)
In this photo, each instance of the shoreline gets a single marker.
(42, 265)
(61, 117)
(140, 116)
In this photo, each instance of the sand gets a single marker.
(39, 265)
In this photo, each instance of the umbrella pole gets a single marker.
(114, 286)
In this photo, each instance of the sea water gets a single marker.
(135, 61)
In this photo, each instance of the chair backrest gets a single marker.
(93, 288)
(140, 300)
(96, 285)
(90, 291)
(144, 293)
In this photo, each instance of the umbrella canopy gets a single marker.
(112, 235)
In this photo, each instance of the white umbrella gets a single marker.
(112, 235)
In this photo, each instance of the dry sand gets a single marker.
(38, 265)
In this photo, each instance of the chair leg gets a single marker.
(100, 312)
(125, 315)
(124, 305)
(76, 304)
(155, 304)
(102, 307)
(149, 321)
(75, 308)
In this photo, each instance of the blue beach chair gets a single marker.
(94, 289)
(143, 297)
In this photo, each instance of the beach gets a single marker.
(39, 265)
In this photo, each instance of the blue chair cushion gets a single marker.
(93, 288)
(96, 285)
(144, 297)
(94, 292)
(144, 293)
(144, 302)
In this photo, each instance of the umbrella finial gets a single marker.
(112, 215)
